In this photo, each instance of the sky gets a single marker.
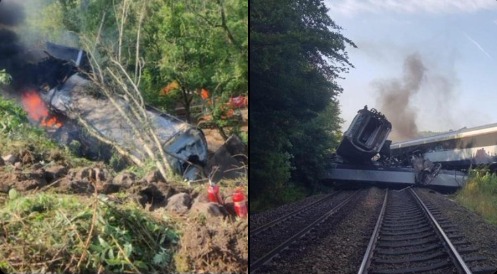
(427, 64)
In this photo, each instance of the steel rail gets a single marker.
(366, 260)
(258, 230)
(459, 260)
(274, 252)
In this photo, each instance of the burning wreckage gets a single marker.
(365, 156)
(72, 102)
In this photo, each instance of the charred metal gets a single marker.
(365, 156)
(60, 79)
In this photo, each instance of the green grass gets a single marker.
(17, 134)
(64, 233)
(278, 196)
(480, 194)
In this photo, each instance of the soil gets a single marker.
(213, 238)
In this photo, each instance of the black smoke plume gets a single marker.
(14, 56)
(395, 96)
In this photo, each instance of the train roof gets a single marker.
(457, 134)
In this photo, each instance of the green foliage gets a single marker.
(4, 77)
(81, 234)
(297, 53)
(278, 196)
(15, 129)
(188, 41)
(480, 194)
(312, 144)
(13, 117)
(16, 133)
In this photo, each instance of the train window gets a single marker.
(356, 124)
(368, 133)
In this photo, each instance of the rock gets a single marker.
(124, 179)
(27, 157)
(10, 159)
(80, 174)
(178, 203)
(71, 186)
(150, 194)
(207, 209)
(91, 174)
(55, 172)
(17, 165)
(154, 176)
(202, 197)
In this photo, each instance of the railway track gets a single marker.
(408, 239)
(280, 234)
(292, 214)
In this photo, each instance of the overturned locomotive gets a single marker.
(364, 156)
(366, 136)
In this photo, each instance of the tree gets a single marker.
(297, 53)
(200, 45)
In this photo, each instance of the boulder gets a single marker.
(67, 185)
(154, 176)
(178, 203)
(123, 180)
(55, 172)
(208, 209)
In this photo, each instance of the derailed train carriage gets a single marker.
(456, 150)
(60, 81)
(366, 156)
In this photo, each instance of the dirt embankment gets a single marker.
(213, 238)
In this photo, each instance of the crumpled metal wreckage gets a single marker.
(184, 144)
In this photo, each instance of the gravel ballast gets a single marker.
(338, 245)
(481, 235)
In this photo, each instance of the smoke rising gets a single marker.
(395, 98)
(419, 91)
(12, 52)
(17, 57)
(11, 13)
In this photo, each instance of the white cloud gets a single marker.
(353, 7)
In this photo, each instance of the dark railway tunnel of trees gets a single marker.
(296, 54)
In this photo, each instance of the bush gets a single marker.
(479, 194)
(61, 233)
